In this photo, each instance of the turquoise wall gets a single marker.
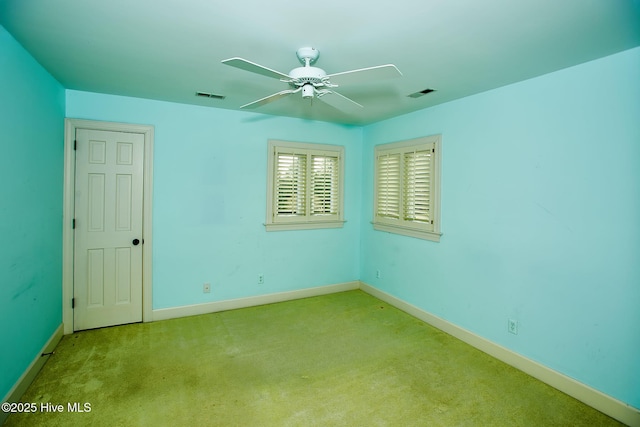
(209, 201)
(541, 220)
(31, 174)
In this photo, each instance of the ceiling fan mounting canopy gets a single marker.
(308, 55)
(312, 81)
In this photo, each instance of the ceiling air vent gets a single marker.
(421, 93)
(210, 95)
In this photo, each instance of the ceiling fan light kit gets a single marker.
(314, 81)
(307, 91)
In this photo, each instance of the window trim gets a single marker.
(274, 223)
(401, 226)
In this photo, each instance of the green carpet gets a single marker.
(344, 359)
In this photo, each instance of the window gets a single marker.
(407, 188)
(304, 186)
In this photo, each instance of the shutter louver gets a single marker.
(389, 186)
(324, 185)
(417, 186)
(291, 184)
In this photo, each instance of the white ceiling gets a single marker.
(169, 49)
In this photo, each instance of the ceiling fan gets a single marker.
(313, 81)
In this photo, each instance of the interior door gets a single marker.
(108, 228)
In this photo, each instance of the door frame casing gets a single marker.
(70, 127)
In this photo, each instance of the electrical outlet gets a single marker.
(378, 274)
(206, 288)
(260, 279)
(512, 326)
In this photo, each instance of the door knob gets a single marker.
(135, 242)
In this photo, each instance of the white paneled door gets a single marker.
(108, 228)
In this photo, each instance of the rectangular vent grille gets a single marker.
(210, 95)
(421, 93)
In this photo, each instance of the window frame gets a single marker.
(309, 221)
(400, 225)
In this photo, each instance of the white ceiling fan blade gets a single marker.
(365, 75)
(243, 64)
(339, 101)
(270, 98)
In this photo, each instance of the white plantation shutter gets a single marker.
(324, 185)
(417, 186)
(291, 184)
(388, 205)
(304, 186)
(407, 185)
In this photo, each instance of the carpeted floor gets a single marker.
(344, 359)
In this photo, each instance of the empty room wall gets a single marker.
(540, 210)
(31, 172)
(209, 201)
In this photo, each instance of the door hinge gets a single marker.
(75, 144)
(73, 224)
(73, 303)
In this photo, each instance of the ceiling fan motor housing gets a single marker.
(307, 75)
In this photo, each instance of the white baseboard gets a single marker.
(30, 373)
(212, 307)
(592, 397)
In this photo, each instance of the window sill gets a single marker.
(304, 225)
(405, 231)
